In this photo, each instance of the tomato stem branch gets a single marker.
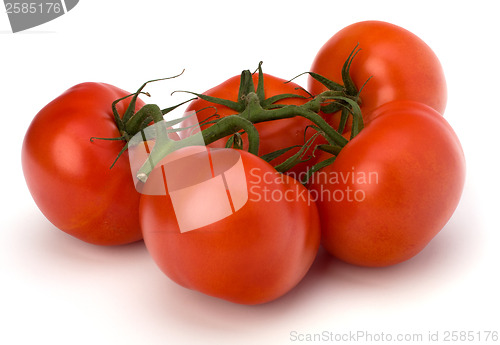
(252, 107)
(255, 114)
(222, 128)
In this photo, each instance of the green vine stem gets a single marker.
(250, 108)
(253, 113)
(224, 127)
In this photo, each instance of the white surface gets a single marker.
(56, 289)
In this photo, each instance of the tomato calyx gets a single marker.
(249, 94)
(298, 157)
(348, 90)
(132, 122)
(255, 107)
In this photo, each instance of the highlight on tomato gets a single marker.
(392, 188)
(224, 222)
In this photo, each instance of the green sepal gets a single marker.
(333, 149)
(349, 85)
(269, 102)
(290, 162)
(131, 107)
(236, 106)
(344, 115)
(169, 109)
(329, 84)
(357, 118)
(124, 148)
(260, 85)
(275, 154)
(108, 139)
(316, 168)
(331, 108)
(246, 86)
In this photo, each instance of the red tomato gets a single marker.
(392, 188)
(239, 231)
(274, 135)
(69, 176)
(402, 66)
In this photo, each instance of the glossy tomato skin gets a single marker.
(392, 188)
(400, 64)
(69, 176)
(274, 135)
(253, 256)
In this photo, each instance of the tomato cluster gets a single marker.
(362, 162)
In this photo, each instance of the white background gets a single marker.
(54, 288)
